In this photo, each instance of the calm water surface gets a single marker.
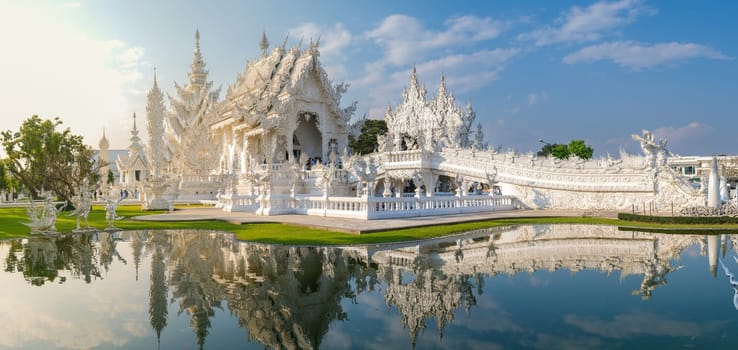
(524, 287)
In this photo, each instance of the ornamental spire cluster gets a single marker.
(198, 74)
(155, 114)
(434, 123)
(135, 147)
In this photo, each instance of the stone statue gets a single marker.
(655, 152)
(110, 207)
(43, 219)
(82, 204)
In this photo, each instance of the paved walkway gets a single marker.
(352, 225)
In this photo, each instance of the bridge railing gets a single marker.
(369, 207)
(404, 156)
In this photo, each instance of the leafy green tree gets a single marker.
(42, 158)
(3, 176)
(111, 177)
(580, 149)
(560, 151)
(367, 141)
(546, 150)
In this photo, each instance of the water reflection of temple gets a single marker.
(287, 297)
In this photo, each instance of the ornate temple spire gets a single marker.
(442, 90)
(155, 114)
(264, 44)
(135, 147)
(415, 90)
(198, 74)
(104, 143)
(442, 100)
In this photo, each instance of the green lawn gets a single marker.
(12, 219)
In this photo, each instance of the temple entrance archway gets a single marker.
(307, 138)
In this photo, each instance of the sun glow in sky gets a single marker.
(597, 71)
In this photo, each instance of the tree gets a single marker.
(561, 151)
(580, 149)
(546, 150)
(367, 141)
(3, 176)
(110, 177)
(42, 158)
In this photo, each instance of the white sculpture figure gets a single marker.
(82, 204)
(733, 282)
(655, 152)
(110, 207)
(43, 219)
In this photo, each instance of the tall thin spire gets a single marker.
(156, 85)
(264, 44)
(198, 75)
(104, 143)
(156, 152)
(135, 146)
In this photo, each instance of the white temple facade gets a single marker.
(133, 167)
(278, 143)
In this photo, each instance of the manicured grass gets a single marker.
(11, 226)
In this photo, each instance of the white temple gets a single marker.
(278, 143)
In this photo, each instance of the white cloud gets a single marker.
(638, 56)
(452, 51)
(72, 4)
(405, 40)
(332, 40)
(630, 325)
(537, 97)
(690, 132)
(57, 70)
(588, 24)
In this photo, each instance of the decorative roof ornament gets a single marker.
(104, 143)
(314, 47)
(264, 44)
(135, 147)
(198, 74)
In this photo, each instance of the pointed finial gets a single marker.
(284, 42)
(197, 40)
(134, 121)
(155, 83)
(104, 143)
(264, 43)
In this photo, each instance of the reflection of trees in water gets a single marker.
(287, 297)
(40, 259)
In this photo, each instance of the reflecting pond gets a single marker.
(521, 287)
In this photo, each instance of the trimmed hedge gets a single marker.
(689, 220)
(706, 232)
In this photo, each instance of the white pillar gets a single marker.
(713, 189)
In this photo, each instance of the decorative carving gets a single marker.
(111, 206)
(82, 204)
(43, 218)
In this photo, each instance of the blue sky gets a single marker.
(553, 70)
